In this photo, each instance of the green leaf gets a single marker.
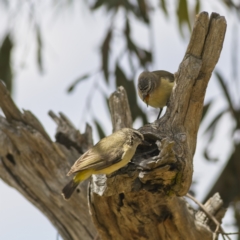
(213, 123)
(225, 90)
(143, 56)
(197, 7)
(105, 53)
(183, 17)
(39, 48)
(127, 30)
(130, 88)
(229, 4)
(163, 7)
(227, 95)
(126, 4)
(114, 5)
(143, 11)
(237, 119)
(77, 81)
(210, 130)
(205, 109)
(98, 4)
(101, 133)
(106, 99)
(5, 61)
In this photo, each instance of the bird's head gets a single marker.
(136, 138)
(145, 85)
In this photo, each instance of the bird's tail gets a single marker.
(69, 189)
(72, 185)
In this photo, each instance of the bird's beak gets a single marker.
(146, 98)
(145, 143)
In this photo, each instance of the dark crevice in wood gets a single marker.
(96, 219)
(10, 157)
(64, 140)
(121, 198)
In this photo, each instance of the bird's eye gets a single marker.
(131, 140)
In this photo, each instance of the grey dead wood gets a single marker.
(120, 110)
(144, 200)
(35, 166)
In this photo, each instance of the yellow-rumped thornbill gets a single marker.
(107, 156)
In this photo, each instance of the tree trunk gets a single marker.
(143, 200)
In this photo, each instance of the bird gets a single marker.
(107, 156)
(155, 88)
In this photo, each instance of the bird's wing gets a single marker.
(165, 74)
(92, 159)
(113, 158)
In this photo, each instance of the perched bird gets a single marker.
(155, 88)
(107, 156)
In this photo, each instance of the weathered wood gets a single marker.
(214, 206)
(37, 168)
(141, 200)
(120, 110)
(7, 105)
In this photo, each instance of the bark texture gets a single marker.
(36, 167)
(142, 200)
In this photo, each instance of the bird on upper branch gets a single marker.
(155, 88)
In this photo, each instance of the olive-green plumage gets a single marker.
(155, 88)
(108, 155)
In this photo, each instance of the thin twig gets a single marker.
(218, 225)
(234, 233)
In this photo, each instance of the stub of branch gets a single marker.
(7, 104)
(120, 110)
(214, 206)
(29, 118)
(12, 113)
(69, 136)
